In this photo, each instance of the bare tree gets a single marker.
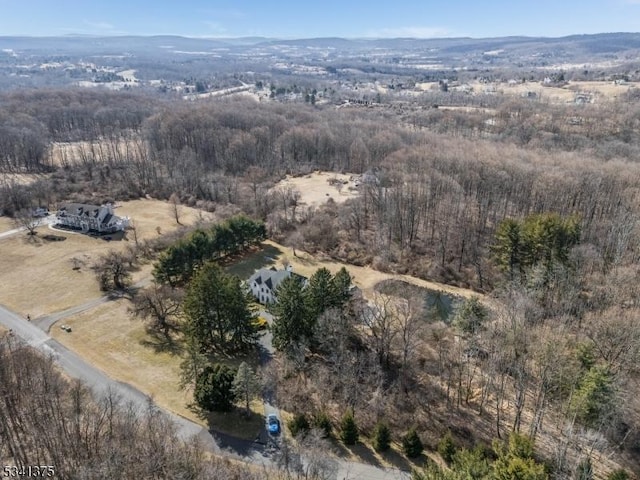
(175, 206)
(161, 306)
(26, 219)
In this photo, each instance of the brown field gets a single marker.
(108, 338)
(36, 276)
(6, 224)
(315, 189)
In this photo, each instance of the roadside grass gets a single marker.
(107, 338)
(237, 423)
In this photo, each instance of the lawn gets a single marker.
(262, 257)
(37, 275)
(108, 338)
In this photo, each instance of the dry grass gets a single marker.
(36, 276)
(108, 338)
(315, 189)
(364, 277)
(6, 223)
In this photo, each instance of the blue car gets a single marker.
(273, 424)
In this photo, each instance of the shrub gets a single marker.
(298, 424)
(618, 475)
(348, 429)
(381, 438)
(447, 448)
(322, 421)
(411, 444)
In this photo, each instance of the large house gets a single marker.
(264, 282)
(91, 218)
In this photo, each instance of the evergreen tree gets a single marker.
(594, 397)
(381, 437)
(341, 287)
(411, 444)
(291, 315)
(298, 424)
(348, 429)
(447, 447)
(217, 311)
(322, 421)
(246, 385)
(516, 461)
(320, 293)
(470, 316)
(214, 389)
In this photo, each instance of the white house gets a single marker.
(92, 218)
(264, 282)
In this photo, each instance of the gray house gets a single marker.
(264, 282)
(91, 218)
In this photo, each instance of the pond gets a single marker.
(438, 305)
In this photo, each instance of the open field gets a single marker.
(315, 188)
(599, 91)
(108, 338)
(6, 224)
(37, 276)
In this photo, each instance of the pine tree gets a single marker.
(348, 429)
(298, 424)
(217, 311)
(214, 389)
(246, 385)
(412, 445)
(381, 437)
(291, 315)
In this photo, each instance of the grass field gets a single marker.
(315, 188)
(37, 276)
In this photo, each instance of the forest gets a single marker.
(533, 206)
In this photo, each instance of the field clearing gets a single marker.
(37, 276)
(315, 189)
(601, 91)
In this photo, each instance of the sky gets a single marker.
(323, 18)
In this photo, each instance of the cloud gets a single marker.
(411, 32)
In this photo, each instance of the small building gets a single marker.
(91, 218)
(264, 283)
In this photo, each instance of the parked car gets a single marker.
(273, 424)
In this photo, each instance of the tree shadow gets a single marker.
(397, 460)
(365, 454)
(161, 343)
(362, 452)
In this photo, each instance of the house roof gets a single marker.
(79, 209)
(272, 278)
(84, 210)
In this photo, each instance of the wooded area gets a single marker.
(534, 205)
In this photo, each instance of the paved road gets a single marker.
(256, 452)
(78, 368)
